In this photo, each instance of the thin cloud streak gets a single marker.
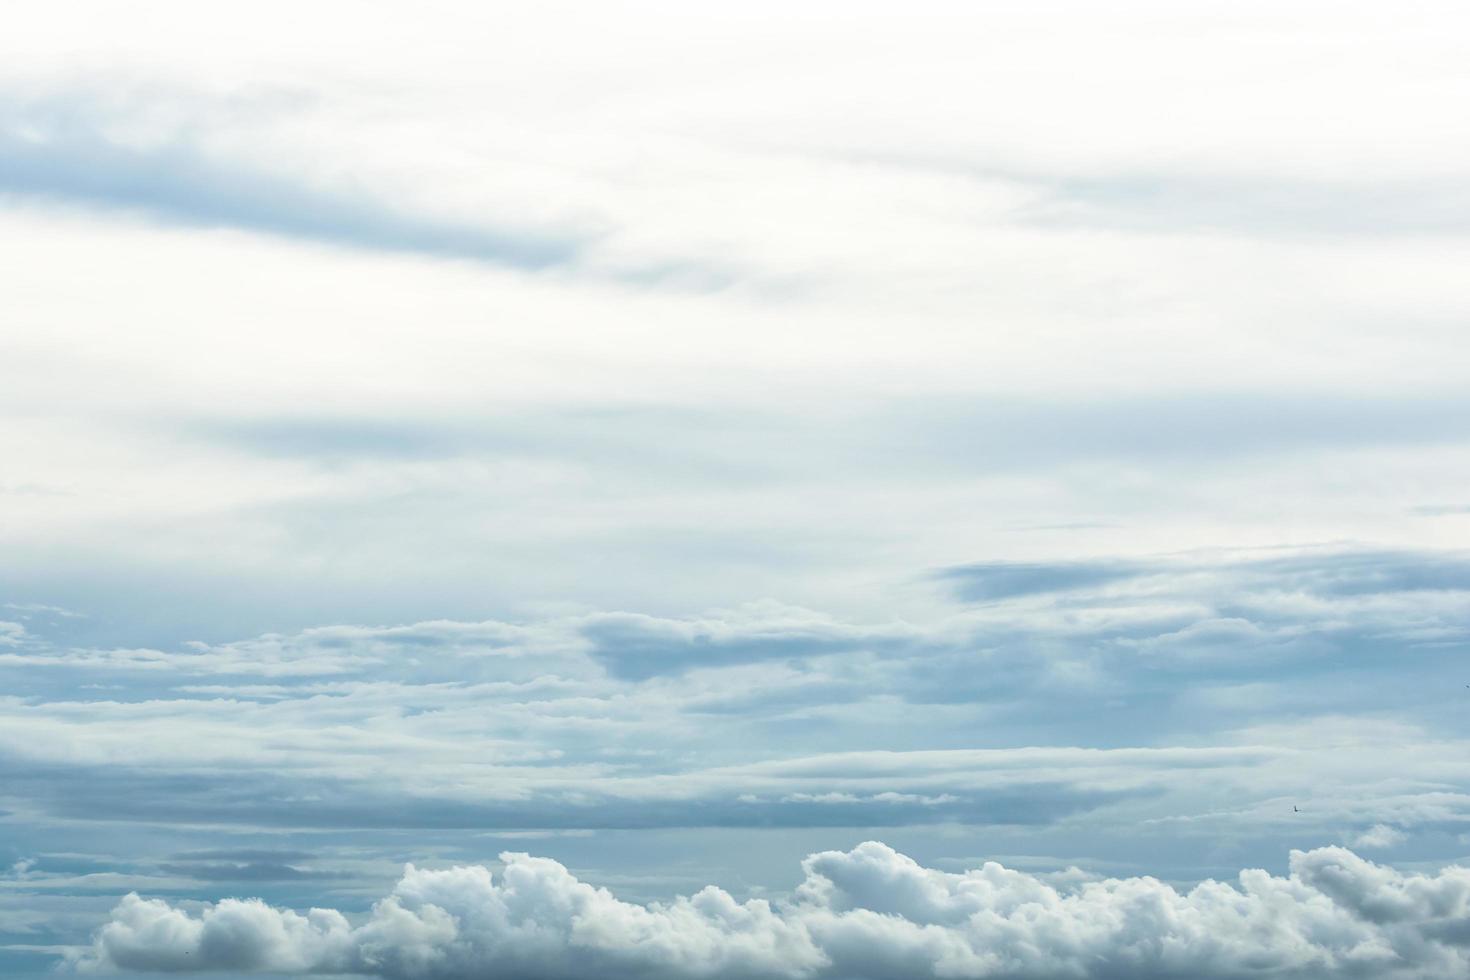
(175, 183)
(63, 149)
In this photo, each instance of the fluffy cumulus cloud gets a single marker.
(866, 913)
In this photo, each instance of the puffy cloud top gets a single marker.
(866, 913)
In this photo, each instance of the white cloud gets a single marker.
(40, 607)
(1380, 835)
(904, 210)
(866, 913)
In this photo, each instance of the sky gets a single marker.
(698, 491)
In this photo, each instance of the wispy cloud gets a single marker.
(64, 149)
(1327, 573)
(1184, 200)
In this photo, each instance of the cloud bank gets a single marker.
(866, 913)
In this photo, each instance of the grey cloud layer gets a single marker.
(866, 914)
(1125, 690)
(1325, 591)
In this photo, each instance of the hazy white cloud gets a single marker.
(878, 219)
(1380, 835)
(866, 913)
(32, 608)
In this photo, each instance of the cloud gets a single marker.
(316, 652)
(39, 607)
(209, 160)
(1380, 835)
(1439, 510)
(1202, 203)
(1177, 611)
(1224, 576)
(637, 647)
(81, 150)
(1003, 580)
(246, 871)
(539, 797)
(1204, 427)
(865, 913)
(769, 715)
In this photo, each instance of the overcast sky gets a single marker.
(912, 489)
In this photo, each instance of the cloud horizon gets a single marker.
(870, 913)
